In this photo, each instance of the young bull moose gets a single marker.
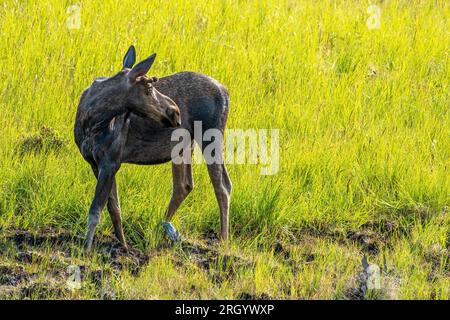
(130, 118)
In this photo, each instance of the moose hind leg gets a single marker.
(115, 214)
(226, 180)
(222, 188)
(183, 184)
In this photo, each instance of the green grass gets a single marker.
(364, 123)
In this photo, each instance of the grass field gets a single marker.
(364, 123)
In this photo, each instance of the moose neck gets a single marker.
(99, 119)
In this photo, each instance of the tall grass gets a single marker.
(363, 116)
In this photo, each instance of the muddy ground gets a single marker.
(26, 256)
(41, 265)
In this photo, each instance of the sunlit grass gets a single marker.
(364, 138)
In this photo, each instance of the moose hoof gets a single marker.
(125, 248)
(87, 247)
(170, 230)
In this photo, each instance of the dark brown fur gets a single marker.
(118, 123)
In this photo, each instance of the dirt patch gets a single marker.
(250, 296)
(281, 250)
(47, 139)
(132, 260)
(13, 275)
(211, 237)
(43, 290)
(370, 237)
(23, 239)
(439, 258)
(220, 267)
(369, 240)
(63, 242)
(285, 253)
(55, 251)
(25, 257)
(373, 282)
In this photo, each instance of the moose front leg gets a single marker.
(115, 214)
(103, 189)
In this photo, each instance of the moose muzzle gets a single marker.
(172, 116)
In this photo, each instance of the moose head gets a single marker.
(131, 90)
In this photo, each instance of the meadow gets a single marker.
(363, 113)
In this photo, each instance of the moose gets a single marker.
(130, 117)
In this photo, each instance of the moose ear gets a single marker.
(141, 68)
(130, 58)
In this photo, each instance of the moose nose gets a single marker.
(173, 115)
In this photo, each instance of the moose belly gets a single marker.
(154, 149)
